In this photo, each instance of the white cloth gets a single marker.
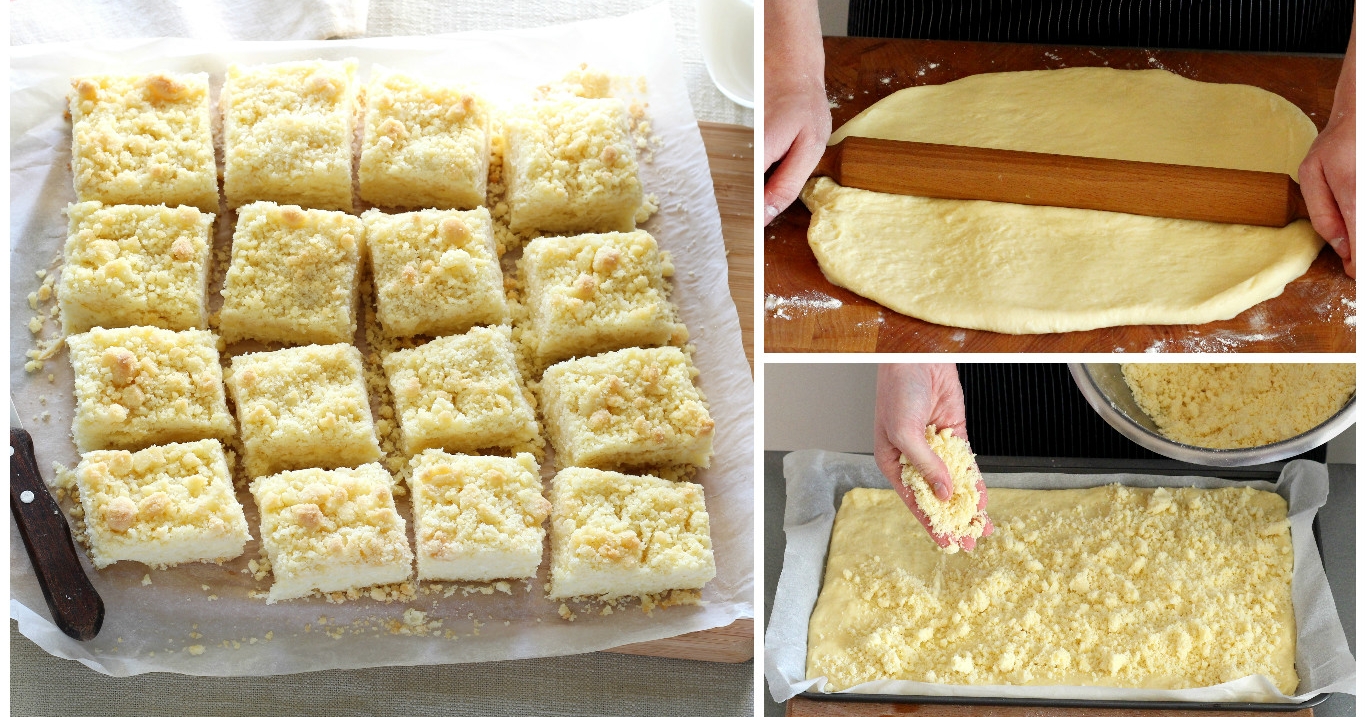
(34, 21)
(423, 17)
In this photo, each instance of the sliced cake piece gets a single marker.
(161, 506)
(304, 407)
(477, 517)
(143, 139)
(287, 133)
(331, 530)
(613, 534)
(140, 386)
(629, 408)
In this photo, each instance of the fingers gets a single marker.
(931, 466)
(966, 543)
(1346, 249)
(1324, 213)
(778, 140)
(939, 539)
(1343, 183)
(888, 460)
(782, 187)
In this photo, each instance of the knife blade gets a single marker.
(1231, 196)
(75, 605)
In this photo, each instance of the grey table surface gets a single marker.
(1337, 523)
(598, 684)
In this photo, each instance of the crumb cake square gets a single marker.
(293, 277)
(613, 534)
(570, 167)
(426, 144)
(141, 385)
(303, 407)
(161, 506)
(435, 272)
(464, 394)
(331, 530)
(128, 265)
(592, 293)
(143, 139)
(287, 133)
(629, 408)
(477, 518)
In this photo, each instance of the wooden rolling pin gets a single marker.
(1232, 196)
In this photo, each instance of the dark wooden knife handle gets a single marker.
(76, 607)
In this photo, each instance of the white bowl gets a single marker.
(726, 28)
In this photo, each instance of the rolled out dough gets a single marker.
(1022, 269)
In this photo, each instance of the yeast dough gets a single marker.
(1022, 269)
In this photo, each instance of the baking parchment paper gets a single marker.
(817, 480)
(155, 627)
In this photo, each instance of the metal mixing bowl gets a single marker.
(1104, 388)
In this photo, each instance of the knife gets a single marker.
(75, 606)
(1232, 196)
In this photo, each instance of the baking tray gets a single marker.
(1085, 466)
(1087, 704)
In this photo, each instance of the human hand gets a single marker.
(796, 113)
(1328, 180)
(910, 397)
(1328, 176)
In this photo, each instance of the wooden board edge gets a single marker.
(730, 643)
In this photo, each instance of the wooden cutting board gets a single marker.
(805, 312)
(799, 707)
(730, 151)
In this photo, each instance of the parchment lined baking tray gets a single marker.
(174, 613)
(816, 481)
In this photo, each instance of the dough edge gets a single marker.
(824, 236)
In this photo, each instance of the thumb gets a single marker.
(917, 452)
(785, 184)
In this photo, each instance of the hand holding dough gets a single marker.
(1027, 269)
(910, 398)
(961, 519)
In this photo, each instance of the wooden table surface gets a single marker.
(730, 151)
(805, 312)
